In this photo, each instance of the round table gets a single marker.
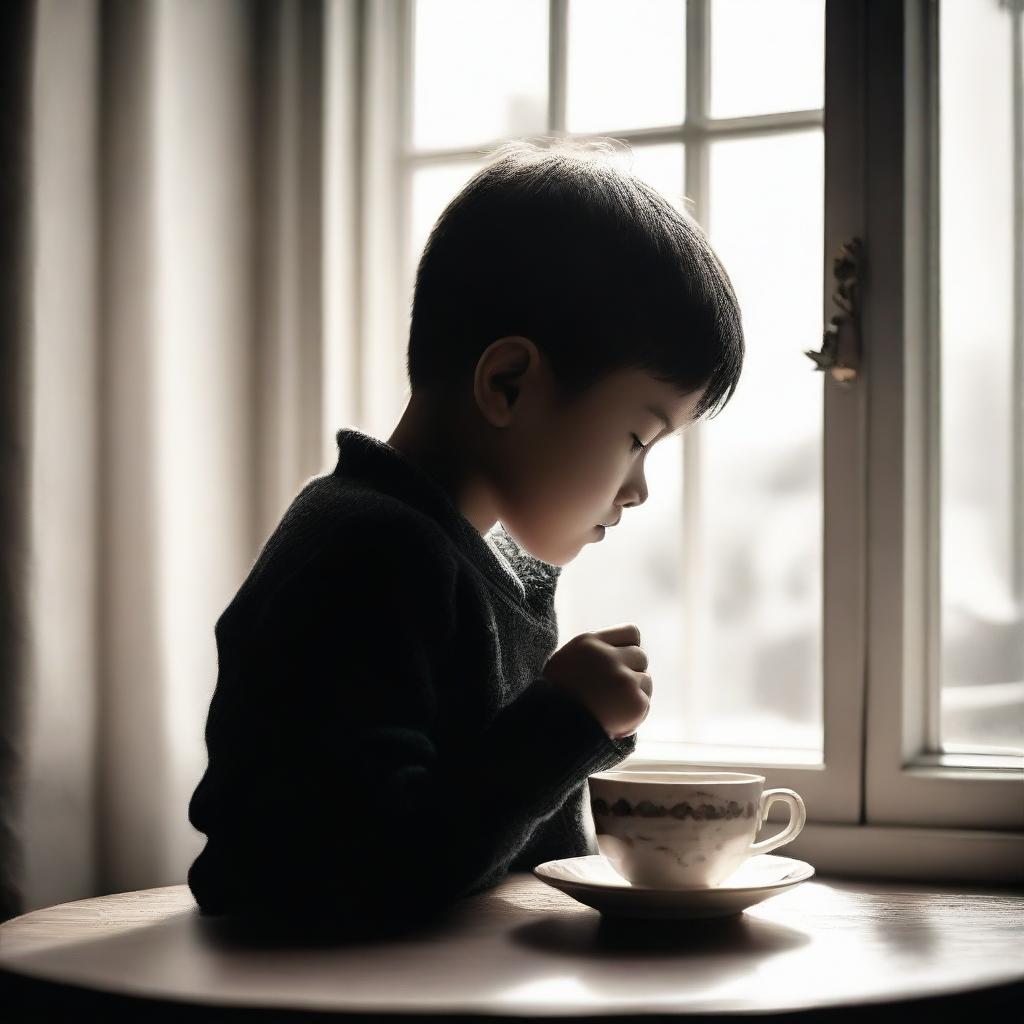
(831, 948)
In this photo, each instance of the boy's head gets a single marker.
(559, 298)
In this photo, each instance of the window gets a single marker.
(945, 729)
(789, 602)
(979, 348)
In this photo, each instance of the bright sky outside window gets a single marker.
(981, 385)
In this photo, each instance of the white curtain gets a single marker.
(195, 338)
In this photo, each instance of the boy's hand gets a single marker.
(606, 670)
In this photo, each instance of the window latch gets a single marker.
(843, 361)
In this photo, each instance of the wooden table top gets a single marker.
(525, 949)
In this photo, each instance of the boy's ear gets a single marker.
(501, 371)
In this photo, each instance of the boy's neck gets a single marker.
(424, 435)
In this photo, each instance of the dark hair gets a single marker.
(601, 271)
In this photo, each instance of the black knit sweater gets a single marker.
(381, 740)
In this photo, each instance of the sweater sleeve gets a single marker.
(374, 815)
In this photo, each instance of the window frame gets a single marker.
(872, 798)
(905, 782)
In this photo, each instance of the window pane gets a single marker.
(758, 633)
(626, 64)
(636, 575)
(480, 71)
(767, 57)
(981, 434)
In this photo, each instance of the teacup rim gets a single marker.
(643, 777)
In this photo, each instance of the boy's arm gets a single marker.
(408, 822)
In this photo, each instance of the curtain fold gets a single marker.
(184, 315)
(16, 31)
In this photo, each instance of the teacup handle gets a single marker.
(797, 818)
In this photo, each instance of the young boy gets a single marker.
(390, 729)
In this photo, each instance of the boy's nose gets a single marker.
(635, 494)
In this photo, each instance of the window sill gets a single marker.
(914, 854)
(662, 755)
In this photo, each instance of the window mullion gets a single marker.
(695, 188)
(725, 128)
(931, 391)
(698, 81)
(558, 19)
(1017, 413)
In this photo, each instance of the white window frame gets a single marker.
(906, 781)
(877, 805)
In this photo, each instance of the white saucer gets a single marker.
(593, 881)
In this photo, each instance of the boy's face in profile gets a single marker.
(568, 471)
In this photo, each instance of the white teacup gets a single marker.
(685, 830)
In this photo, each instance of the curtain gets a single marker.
(183, 335)
(16, 255)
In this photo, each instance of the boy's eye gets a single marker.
(638, 445)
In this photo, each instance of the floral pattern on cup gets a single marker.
(698, 812)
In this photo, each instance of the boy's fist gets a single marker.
(606, 670)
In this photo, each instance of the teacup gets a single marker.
(685, 830)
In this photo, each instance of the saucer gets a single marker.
(593, 881)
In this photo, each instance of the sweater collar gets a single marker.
(498, 556)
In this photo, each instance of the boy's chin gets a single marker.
(555, 544)
(557, 553)
(561, 555)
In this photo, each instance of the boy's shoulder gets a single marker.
(337, 518)
(335, 525)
